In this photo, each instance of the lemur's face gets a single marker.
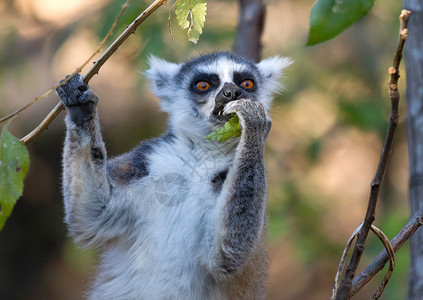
(200, 88)
(212, 81)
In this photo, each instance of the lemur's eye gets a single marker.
(247, 84)
(202, 86)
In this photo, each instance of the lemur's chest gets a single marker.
(181, 197)
(185, 186)
(181, 193)
(189, 172)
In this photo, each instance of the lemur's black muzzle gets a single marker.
(229, 92)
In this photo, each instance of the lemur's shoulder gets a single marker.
(135, 164)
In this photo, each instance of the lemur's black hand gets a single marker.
(79, 99)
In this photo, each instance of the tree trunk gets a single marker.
(250, 27)
(414, 69)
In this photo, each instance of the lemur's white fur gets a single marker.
(179, 217)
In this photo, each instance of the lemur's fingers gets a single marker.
(250, 113)
(232, 107)
(88, 96)
(79, 99)
(71, 92)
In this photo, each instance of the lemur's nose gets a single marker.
(229, 92)
(232, 92)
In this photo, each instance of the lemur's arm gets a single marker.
(94, 215)
(242, 204)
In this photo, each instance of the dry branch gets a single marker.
(78, 70)
(390, 253)
(250, 28)
(341, 265)
(97, 65)
(379, 262)
(346, 283)
(390, 250)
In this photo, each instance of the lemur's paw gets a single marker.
(79, 99)
(76, 92)
(251, 114)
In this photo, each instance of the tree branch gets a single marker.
(346, 284)
(414, 61)
(78, 70)
(391, 253)
(379, 262)
(391, 256)
(249, 30)
(97, 65)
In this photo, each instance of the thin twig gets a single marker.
(78, 70)
(342, 264)
(168, 18)
(97, 65)
(19, 110)
(388, 247)
(382, 258)
(346, 284)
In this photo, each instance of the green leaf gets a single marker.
(182, 11)
(231, 129)
(191, 14)
(14, 164)
(328, 18)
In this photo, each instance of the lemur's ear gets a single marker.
(272, 70)
(161, 75)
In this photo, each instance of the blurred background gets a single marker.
(322, 152)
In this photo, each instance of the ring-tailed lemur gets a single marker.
(179, 216)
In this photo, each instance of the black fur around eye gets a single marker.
(203, 83)
(246, 81)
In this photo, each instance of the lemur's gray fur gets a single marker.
(177, 217)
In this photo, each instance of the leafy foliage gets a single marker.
(191, 14)
(328, 18)
(231, 129)
(14, 164)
